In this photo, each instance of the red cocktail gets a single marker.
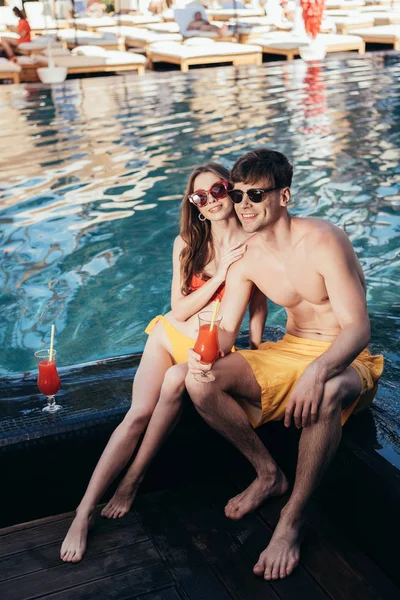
(207, 344)
(48, 378)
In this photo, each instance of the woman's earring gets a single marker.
(201, 217)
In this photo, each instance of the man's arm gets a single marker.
(233, 307)
(336, 262)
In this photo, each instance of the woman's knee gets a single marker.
(174, 381)
(138, 417)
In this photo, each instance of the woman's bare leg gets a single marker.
(156, 360)
(164, 418)
(8, 45)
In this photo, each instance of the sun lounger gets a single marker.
(385, 34)
(224, 14)
(40, 18)
(204, 52)
(138, 37)
(170, 27)
(92, 23)
(72, 37)
(138, 20)
(184, 16)
(288, 45)
(38, 45)
(92, 59)
(355, 21)
(7, 17)
(9, 70)
(386, 18)
(344, 4)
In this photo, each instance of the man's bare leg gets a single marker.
(164, 418)
(155, 362)
(318, 444)
(218, 408)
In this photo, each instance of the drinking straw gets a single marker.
(214, 315)
(51, 342)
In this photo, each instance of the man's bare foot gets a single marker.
(282, 554)
(255, 495)
(121, 502)
(74, 544)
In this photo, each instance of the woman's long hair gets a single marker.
(18, 13)
(199, 249)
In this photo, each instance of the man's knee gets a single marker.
(332, 398)
(200, 393)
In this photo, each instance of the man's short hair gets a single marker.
(263, 165)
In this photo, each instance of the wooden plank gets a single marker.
(194, 578)
(121, 586)
(45, 557)
(170, 593)
(327, 565)
(19, 538)
(233, 547)
(335, 562)
(91, 569)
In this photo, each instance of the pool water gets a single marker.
(93, 172)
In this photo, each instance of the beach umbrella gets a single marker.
(312, 16)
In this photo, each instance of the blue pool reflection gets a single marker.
(93, 172)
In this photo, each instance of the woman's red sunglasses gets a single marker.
(218, 191)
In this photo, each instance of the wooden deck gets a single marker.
(178, 545)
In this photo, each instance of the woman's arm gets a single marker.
(258, 311)
(184, 307)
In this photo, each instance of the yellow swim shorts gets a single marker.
(277, 366)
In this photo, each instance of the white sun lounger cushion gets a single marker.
(143, 35)
(384, 31)
(210, 49)
(81, 38)
(9, 66)
(111, 57)
(39, 44)
(137, 19)
(95, 21)
(289, 41)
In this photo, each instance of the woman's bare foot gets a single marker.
(74, 544)
(282, 554)
(255, 495)
(121, 502)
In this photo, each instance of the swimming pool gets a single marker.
(93, 172)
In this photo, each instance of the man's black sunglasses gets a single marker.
(254, 194)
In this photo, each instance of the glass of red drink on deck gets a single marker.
(207, 344)
(48, 379)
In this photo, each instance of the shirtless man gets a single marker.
(316, 375)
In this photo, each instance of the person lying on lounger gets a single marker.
(211, 239)
(23, 29)
(316, 376)
(201, 24)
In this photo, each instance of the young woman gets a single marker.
(210, 240)
(24, 32)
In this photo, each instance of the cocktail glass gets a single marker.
(48, 379)
(207, 344)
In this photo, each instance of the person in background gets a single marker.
(23, 30)
(211, 239)
(201, 24)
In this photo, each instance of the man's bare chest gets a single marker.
(290, 283)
